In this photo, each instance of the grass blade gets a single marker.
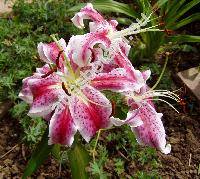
(186, 8)
(192, 18)
(183, 38)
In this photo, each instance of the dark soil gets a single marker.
(184, 136)
(12, 165)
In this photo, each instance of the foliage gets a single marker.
(79, 160)
(120, 154)
(33, 129)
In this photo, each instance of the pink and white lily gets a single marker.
(66, 91)
(69, 101)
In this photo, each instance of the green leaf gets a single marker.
(160, 3)
(173, 7)
(56, 151)
(186, 8)
(183, 38)
(109, 6)
(79, 160)
(39, 156)
(192, 18)
(125, 21)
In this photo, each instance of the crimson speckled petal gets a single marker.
(116, 80)
(79, 46)
(45, 93)
(89, 116)
(62, 128)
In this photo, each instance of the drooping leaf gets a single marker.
(109, 6)
(160, 3)
(186, 8)
(39, 156)
(183, 38)
(192, 18)
(79, 160)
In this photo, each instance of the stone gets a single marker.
(191, 78)
(5, 7)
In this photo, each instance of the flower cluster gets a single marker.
(67, 90)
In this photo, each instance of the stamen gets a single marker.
(58, 57)
(167, 103)
(155, 93)
(49, 73)
(84, 98)
(65, 89)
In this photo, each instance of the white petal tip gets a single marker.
(116, 121)
(167, 149)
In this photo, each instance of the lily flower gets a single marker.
(103, 34)
(69, 101)
(143, 119)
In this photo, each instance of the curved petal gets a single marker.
(79, 46)
(92, 114)
(132, 119)
(44, 70)
(116, 80)
(151, 132)
(88, 12)
(26, 94)
(46, 92)
(61, 128)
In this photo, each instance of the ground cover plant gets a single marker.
(114, 148)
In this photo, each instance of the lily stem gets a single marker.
(95, 145)
(162, 73)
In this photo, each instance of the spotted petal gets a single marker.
(49, 53)
(151, 132)
(61, 128)
(90, 114)
(46, 92)
(26, 94)
(80, 46)
(116, 80)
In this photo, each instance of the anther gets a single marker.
(54, 69)
(65, 89)
(58, 57)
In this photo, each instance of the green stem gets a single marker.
(95, 145)
(96, 142)
(162, 73)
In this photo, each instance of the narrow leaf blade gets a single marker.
(79, 160)
(183, 38)
(39, 156)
